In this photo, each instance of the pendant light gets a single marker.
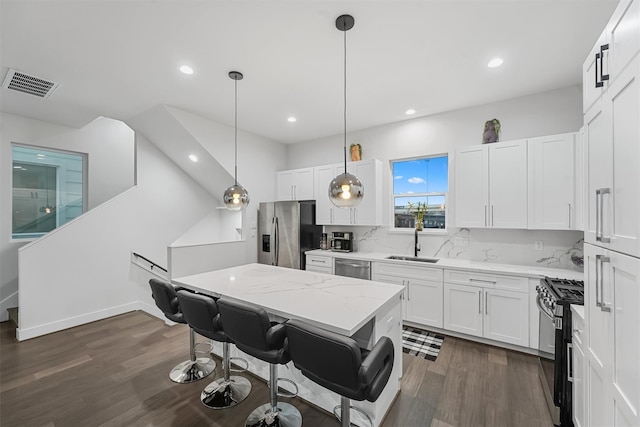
(236, 197)
(345, 190)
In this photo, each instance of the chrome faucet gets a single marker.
(416, 246)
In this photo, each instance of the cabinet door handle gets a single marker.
(602, 259)
(598, 304)
(493, 282)
(600, 192)
(569, 215)
(603, 77)
(480, 302)
(598, 83)
(570, 362)
(485, 215)
(486, 302)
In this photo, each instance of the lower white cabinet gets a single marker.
(319, 264)
(422, 296)
(612, 353)
(489, 306)
(577, 371)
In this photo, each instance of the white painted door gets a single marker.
(623, 35)
(551, 182)
(599, 163)
(463, 309)
(621, 293)
(599, 324)
(284, 182)
(508, 184)
(472, 186)
(623, 102)
(424, 302)
(506, 316)
(324, 207)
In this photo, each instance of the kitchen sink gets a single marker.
(412, 258)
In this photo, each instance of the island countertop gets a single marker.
(336, 303)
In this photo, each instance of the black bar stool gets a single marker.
(252, 331)
(194, 369)
(337, 363)
(201, 312)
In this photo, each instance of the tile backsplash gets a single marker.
(559, 249)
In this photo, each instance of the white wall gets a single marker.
(547, 113)
(109, 145)
(84, 268)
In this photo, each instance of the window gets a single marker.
(423, 180)
(48, 189)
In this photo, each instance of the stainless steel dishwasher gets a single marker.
(352, 268)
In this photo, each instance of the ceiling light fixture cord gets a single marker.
(235, 137)
(345, 97)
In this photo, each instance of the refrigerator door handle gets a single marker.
(276, 235)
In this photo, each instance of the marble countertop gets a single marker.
(337, 303)
(460, 264)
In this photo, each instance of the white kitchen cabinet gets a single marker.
(422, 298)
(613, 153)
(552, 187)
(295, 184)
(491, 185)
(367, 212)
(612, 316)
(463, 309)
(577, 371)
(319, 264)
(487, 305)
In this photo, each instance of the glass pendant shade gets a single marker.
(236, 198)
(346, 190)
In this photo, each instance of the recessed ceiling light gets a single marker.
(292, 119)
(185, 69)
(495, 62)
(410, 111)
(193, 157)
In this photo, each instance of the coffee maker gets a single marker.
(341, 241)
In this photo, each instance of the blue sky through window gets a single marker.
(428, 175)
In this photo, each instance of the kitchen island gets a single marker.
(362, 309)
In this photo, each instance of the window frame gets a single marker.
(407, 230)
(30, 236)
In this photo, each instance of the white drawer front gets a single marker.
(486, 280)
(402, 270)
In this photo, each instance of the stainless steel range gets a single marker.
(554, 299)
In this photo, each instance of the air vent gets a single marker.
(26, 83)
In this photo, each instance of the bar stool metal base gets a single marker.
(222, 394)
(348, 418)
(263, 416)
(190, 371)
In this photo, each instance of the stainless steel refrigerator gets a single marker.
(285, 231)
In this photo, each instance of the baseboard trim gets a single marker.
(36, 331)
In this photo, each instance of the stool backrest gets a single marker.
(200, 312)
(164, 295)
(337, 363)
(246, 324)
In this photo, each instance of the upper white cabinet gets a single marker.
(296, 184)
(367, 212)
(614, 50)
(612, 131)
(552, 187)
(491, 185)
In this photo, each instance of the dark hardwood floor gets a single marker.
(115, 373)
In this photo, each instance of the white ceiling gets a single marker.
(120, 58)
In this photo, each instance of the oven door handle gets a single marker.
(570, 362)
(542, 309)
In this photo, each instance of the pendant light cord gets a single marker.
(235, 137)
(345, 99)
